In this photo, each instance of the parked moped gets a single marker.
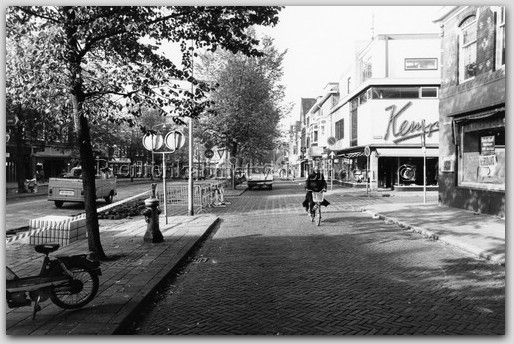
(69, 281)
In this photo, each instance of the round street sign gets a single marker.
(233, 160)
(367, 151)
(331, 140)
(174, 140)
(209, 153)
(152, 141)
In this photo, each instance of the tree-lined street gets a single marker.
(413, 241)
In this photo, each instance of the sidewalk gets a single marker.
(128, 280)
(481, 235)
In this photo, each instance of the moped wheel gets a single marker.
(79, 291)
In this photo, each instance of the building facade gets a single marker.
(381, 124)
(472, 108)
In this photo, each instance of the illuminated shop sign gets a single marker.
(407, 129)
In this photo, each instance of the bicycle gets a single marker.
(69, 281)
(317, 198)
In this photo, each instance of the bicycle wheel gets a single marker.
(319, 214)
(79, 291)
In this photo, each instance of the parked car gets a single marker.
(259, 177)
(69, 187)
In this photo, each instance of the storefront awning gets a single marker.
(351, 155)
(478, 115)
(406, 152)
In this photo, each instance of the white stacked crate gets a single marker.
(57, 229)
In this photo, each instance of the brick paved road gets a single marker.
(268, 271)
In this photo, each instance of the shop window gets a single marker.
(468, 49)
(395, 92)
(420, 63)
(482, 161)
(364, 96)
(428, 92)
(500, 37)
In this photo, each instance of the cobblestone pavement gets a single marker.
(267, 270)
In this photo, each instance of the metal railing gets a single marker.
(204, 196)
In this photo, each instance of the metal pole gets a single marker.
(190, 210)
(423, 147)
(367, 175)
(331, 174)
(164, 187)
(153, 162)
(424, 175)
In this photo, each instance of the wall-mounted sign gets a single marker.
(447, 164)
(407, 129)
(486, 165)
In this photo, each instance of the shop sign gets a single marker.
(487, 145)
(407, 129)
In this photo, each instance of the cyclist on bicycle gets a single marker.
(315, 182)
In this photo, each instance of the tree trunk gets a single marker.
(20, 166)
(88, 179)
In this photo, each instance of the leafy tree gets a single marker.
(98, 60)
(247, 101)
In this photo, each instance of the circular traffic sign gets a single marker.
(152, 141)
(367, 151)
(209, 153)
(233, 160)
(331, 140)
(174, 140)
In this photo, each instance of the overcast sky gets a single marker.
(320, 40)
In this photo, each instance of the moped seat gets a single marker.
(46, 248)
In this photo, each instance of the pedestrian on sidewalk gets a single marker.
(315, 182)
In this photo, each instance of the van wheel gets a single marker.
(58, 204)
(108, 199)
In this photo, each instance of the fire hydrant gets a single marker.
(151, 213)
